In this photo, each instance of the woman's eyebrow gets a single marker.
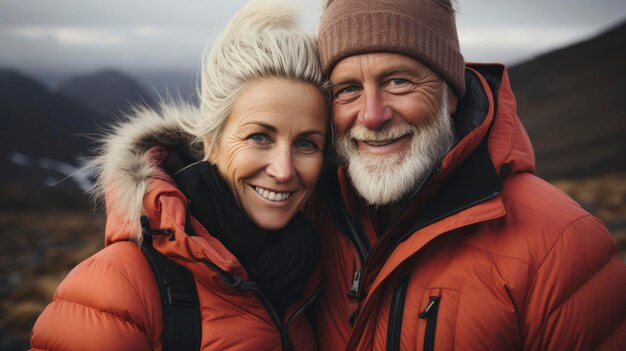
(262, 125)
(312, 132)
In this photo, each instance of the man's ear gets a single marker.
(453, 101)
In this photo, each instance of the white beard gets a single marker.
(385, 179)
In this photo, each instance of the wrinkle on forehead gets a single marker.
(375, 64)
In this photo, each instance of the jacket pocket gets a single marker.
(436, 317)
(396, 312)
(430, 314)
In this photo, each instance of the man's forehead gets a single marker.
(355, 66)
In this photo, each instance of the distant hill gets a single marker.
(39, 123)
(573, 104)
(170, 84)
(107, 92)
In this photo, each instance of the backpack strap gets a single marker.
(182, 325)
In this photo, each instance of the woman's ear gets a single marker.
(209, 150)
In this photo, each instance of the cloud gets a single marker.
(520, 37)
(510, 44)
(147, 31)
(73, 36)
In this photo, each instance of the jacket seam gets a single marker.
(62, 300)
(549, 218)
(513, 138)
(496, 254)
(608, 336)
(558, 239)
(549, 253)
(130, 281)
(556, 307)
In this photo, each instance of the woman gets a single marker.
(226, 182)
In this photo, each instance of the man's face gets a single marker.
(392, 120)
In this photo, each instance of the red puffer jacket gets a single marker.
(111, 300)
(485, 256)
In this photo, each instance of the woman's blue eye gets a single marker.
(258, 138)
(306, 144)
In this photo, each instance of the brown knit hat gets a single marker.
(422, 29)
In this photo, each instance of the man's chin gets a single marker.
(383, 179)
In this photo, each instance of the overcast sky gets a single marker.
(83, 35)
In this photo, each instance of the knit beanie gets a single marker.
(422, 29)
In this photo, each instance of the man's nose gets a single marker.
(280, 165)
(374, 112)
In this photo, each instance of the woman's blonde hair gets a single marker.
(261, 41)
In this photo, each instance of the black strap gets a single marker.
(182, 325)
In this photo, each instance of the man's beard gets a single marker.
(385, 179)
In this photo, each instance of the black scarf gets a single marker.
(280, 264)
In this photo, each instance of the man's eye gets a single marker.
(398, 81)
(347, 90)
(399, 86)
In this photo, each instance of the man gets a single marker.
(438, 234)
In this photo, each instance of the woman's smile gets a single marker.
(272, 195)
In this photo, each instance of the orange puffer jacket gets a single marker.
(485, 256)
(111, 300)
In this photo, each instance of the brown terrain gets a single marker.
(571, 101)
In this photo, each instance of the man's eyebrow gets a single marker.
(399, 70)
(343, 82)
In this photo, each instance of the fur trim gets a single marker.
(123, 168)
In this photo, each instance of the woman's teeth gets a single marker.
(270, 195)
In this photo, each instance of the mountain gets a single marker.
(170, 84)
(107, 92)
(573, 104)
(41, 124)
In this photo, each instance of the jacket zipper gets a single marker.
(492, 194)
(355, 291)
(506, 168)
(489, 196)
(308, 302)
(394, 328)
(233, 281)
(282, 330)
(363, 249)
(430, 314)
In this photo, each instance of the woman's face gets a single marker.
(271, 149)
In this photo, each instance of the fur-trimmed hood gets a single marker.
(127, 161)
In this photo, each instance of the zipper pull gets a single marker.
(355, 289)
(426, 311)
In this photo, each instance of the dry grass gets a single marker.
(43, 249)
(605, 197)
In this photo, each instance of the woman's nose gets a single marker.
(281, 165)
(374, 112)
